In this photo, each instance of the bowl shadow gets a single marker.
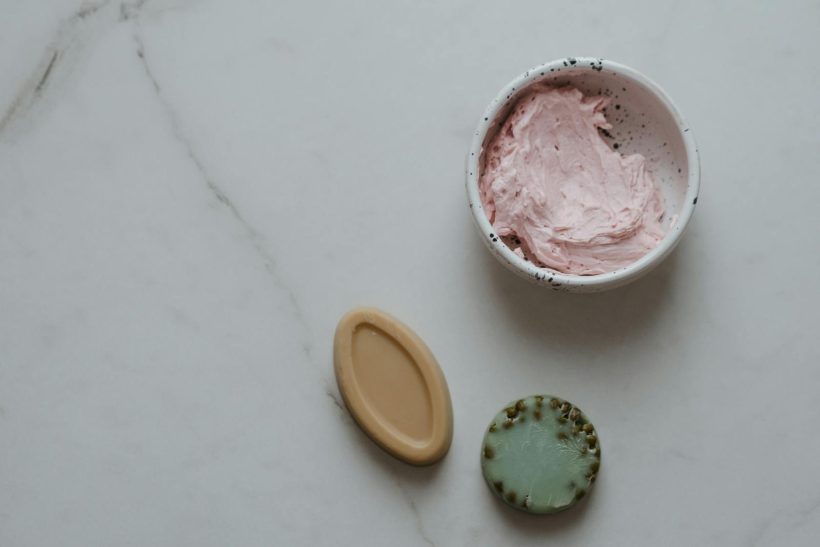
(569, 321)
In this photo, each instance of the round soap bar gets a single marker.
(540, 454)
(393, 386)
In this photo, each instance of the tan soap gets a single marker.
(393, 386)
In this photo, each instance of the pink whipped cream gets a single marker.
(560, 194)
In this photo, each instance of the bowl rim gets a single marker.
(546, 276)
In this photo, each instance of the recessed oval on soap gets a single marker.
(393, 386)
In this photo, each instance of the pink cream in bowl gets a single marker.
(560, 195)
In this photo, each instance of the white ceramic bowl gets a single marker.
(644, 121)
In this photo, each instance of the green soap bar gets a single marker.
(540, 454)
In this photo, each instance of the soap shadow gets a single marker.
(403, 473)
(568, 321)
(521, 523)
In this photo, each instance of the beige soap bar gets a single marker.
(393, 386)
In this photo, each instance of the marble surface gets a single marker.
(193, 192)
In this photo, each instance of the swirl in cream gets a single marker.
(560, 194)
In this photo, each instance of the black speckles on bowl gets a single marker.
(644, 121)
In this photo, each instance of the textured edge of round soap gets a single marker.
(436, 386)
(567, 416)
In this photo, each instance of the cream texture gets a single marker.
(560, 195)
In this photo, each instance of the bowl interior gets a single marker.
(642, 122)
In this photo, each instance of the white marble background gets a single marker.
(193, 192)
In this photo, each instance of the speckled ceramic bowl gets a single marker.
(644, 121)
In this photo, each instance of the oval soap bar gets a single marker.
(393, 386)
(540, 454)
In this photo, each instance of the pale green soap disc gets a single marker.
(540, 454)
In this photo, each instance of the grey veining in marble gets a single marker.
(192, 193)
